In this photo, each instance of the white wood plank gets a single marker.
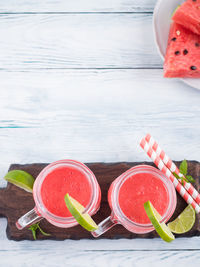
(67, 257)
(76, 6)
(95, 115)
(77, 41)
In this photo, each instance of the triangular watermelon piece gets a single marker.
(182, 57)
(188, 15)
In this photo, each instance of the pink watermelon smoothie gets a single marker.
(182, 57)
(61, 181)
(138, 189)
(188, 15)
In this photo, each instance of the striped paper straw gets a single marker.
(159, 163)
(172, 167)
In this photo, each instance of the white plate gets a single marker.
(161, 24)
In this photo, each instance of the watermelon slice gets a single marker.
(182, 57)
(188, 15)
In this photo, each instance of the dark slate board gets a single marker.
(14, 202)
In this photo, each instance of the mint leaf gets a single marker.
(44, 233)
(180, 178)
(34, 228)
(183, 170)
(190, 178)
(183, 167)
(34, 234)
(176, 175)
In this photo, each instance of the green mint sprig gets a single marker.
(183, 170)
(36, 227)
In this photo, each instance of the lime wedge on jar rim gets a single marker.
(161, 228)
(184, 222)
(76, 209)
(21, 179)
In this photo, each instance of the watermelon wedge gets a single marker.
(182, 57)
(188, 15)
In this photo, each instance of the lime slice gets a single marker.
(161, 228)
(21, 179)
(76, 209)
(184, 222)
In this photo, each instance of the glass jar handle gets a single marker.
(28, 219)
(104, 226)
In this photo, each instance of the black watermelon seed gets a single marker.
(194, 0)
(173, 39)
(193, 68)
(197, 44)
(177, 52)
(185, 51)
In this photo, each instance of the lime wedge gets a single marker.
(76, 209)
(184, 222)
(161, 228)
(21, 179)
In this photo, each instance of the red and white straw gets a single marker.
(159, 163)
(172, 167)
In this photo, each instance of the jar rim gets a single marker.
(123, 219)
(41, 177)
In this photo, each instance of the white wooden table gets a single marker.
(82, 79)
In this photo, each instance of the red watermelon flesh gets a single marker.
(182, 57)
(188, 15)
